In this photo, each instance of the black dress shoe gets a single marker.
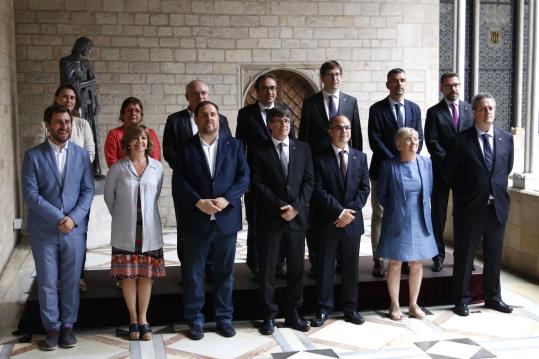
(461, 309)
(67, 338)
(319, 320)
(50, 342)
(297, 323)
(499, 306)
(195, 332)
(281, 270)
(354, 318)
(267, 328)
(226, 330)
(437, 264)
(405, 268)
(378, 269)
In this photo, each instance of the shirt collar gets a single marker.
(393, 102)
(57, 148)
(490, 132)
(335, 94)
(337, 149)
(204, 144)
(263, 107)
(449, 102)
(276, 141)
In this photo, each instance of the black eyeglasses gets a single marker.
(341, 128)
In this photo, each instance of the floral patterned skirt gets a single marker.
(130, 265)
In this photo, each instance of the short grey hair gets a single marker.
(480, 97)
(404, 132)
(192, 83)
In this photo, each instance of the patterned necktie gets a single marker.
(342, 165)
(283, 159)
(487, 151)
(400, 122)
(455, 115)
(331, 107)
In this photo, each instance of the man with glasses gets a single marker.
(316, 112)
(385, 118)
(282, 183)
(252, 130)
(341, 191)
(444, 120)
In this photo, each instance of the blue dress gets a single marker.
(414, 241)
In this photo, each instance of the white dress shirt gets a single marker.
(490, 134)
(401, 108)
(286, 147)
(451, 109)
(210, 151)
(60, 156)
(335, 100)
(263, 109)
(337, 150)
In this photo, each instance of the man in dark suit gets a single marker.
(476, 167)
(252, 130)
(341, 191)
(444, 121)
(179, 128)
(385, 118)
(316, 112)
(282, 183)
(58, 188)
(212, 174)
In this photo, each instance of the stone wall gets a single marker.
(152, 48)
(9, 188)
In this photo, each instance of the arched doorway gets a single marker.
(293, 88)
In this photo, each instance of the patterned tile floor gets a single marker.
(484, 334)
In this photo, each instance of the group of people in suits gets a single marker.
(314, 188)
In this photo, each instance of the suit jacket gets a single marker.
(193, 181)
(440, 130)
(314, 124)
(332, 196)
(383, 127)
(178, 131)
(251, 128)
(466, 172)
(393, 198)
(272, 190)
(49, 198)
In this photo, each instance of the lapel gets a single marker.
(322, 110)
(274, 157)
(389, 114)
(397, 174)
(70, 163)
(408, 114)
(477, 149)
(343, 104)
(423, 174)
(223, 145)
(446, 115)
(49, 154)
(185, 123)
(464, 109)
(292, 159)
(335, 164)
(352, 164)
(202, 157)
(498, 144)
(259, 121)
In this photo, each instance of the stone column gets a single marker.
(530, 179)
(519, 47)
(460, 35)
(475, 49)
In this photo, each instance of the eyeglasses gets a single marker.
(268, 88)
(341, 128)
(334, 75)
(285, 121)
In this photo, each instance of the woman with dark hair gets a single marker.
(132, 190)
(131, 113)
(81, 132)
(404, 189)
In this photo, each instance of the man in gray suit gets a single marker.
(58, 188)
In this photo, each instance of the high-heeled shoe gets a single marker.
(145, 332)
(134, 331)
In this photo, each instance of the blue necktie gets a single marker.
(400, 122)
(487, 151)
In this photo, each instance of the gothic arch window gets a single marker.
(292, 89)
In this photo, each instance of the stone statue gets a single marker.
(75, 70)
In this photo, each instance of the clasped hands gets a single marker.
(211, 206)
(65, 225)
(288, 213)
(345, 219)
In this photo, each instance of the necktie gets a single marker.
(400, 122)
(487, 151)
(455, 115)
(332, 109)
(283, 159)
(342, 166)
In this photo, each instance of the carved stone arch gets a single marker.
(293, 87)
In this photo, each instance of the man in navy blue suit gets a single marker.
(385, 118)
(252, 130)
(179, 128)
(58, 188)
(316, 111)
(444, 120)
(477, 167)
(212, 175)
(341, 191)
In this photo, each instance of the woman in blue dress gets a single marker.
(404, 189)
